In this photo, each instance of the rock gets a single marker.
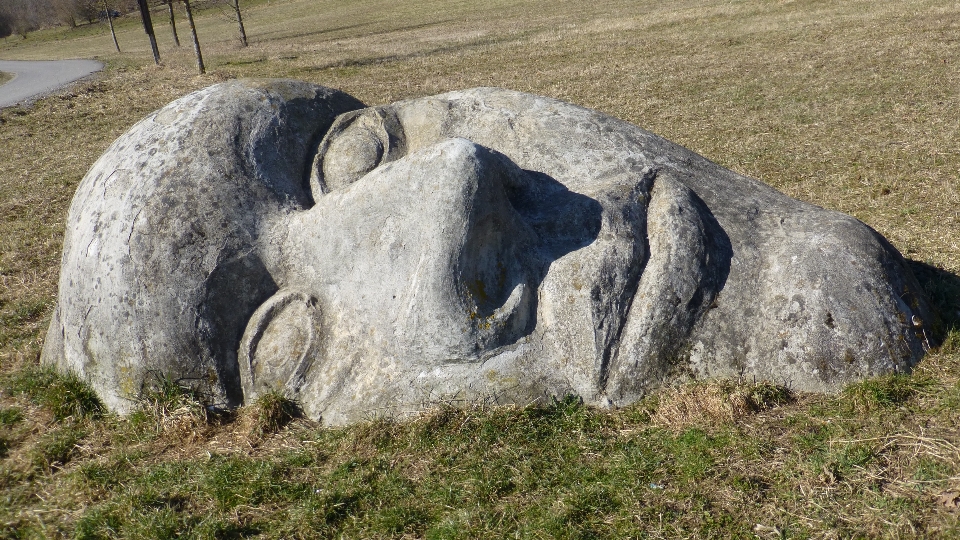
(477, 245)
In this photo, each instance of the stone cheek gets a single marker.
(264, 236)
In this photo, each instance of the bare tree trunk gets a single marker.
(173, 23)
(110, 20)
(196, 42)
(235, 4)
(148, 28)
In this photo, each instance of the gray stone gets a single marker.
(477, 245)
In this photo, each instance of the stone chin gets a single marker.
(477, 245)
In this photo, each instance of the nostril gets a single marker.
(489, 279)
(495, 256)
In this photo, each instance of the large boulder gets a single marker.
(476, 245)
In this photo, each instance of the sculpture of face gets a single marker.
(482, 244)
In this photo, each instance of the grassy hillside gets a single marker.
(848, 105)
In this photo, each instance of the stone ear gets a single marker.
(280, 342)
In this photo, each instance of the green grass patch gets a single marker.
(18, 318)
(511, 470)
(54, 449)
(883, 392)
(64, 395)
(564, 471)
(10, 416)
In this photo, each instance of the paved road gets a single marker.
(34, 79)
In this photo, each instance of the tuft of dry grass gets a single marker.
(714, 402)
(271, 413)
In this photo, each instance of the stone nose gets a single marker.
(425, 254)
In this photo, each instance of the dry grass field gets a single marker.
(849, 105)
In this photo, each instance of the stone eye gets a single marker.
(357, 143)
(355, 152)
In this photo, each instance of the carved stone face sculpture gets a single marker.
(483, 244)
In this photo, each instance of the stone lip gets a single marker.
(483, 244)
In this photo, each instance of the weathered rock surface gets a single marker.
(483, 244)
